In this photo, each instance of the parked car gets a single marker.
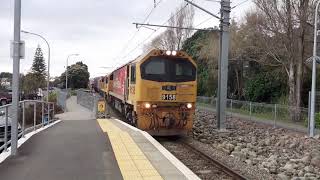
(2, 127)
(5, 97)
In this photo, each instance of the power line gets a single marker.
(204, 21)
(155, 6)
(213, 1)
(201, 8)
(142, 42)
(239, 4)
(136, 32)
(173, 27)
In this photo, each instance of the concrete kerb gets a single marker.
(177, 163)
(22, 140)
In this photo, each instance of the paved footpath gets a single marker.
(70, 150)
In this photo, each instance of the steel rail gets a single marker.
(217, 163)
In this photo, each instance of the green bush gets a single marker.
(53, 97)
(264, 87)
(316, 118)
(73, 93)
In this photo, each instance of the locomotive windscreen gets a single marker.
(164, 69)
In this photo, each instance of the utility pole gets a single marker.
(223, 64)
(314, 73)
(15, 77)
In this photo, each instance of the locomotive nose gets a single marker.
(169, 120)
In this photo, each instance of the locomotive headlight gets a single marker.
(174, 53)
(147, 105)
(168, 53)
(189, 105)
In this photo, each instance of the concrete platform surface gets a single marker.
(70, 150)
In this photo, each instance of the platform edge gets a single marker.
(176, 162)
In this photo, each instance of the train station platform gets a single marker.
(93, 149)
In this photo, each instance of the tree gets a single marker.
(203, 46)
(56, 82)
(38, 65)
(5, 80)
(37, 77)
(32, 82)
(78, 76)
(183, 18)
(173, 38)
(6, 75)
(287, 24)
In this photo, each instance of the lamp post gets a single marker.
(15, 77)
(48, 75)
(314, 72)
(67, 69)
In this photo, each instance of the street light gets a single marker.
(15, 77)
(314, 73)
(67, 69)
(48, 75)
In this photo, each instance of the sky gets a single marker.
(100, 31)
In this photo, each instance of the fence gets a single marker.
(273, 114)
(90, 101)
(86, 99)
(32, 115)
(62, 97)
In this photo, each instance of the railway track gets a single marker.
(198, 161)
(224, 168)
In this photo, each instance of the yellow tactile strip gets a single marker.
(132, 162)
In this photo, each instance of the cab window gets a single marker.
(133, 74)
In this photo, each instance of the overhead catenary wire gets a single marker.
(142, 42)
(233, 7)
(137, 31)
(239, 4)
(213, 1)
(172, 27)
(204, 21)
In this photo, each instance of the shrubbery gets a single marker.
(264, 87)
(316, 119)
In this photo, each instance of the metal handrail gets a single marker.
(34, 127)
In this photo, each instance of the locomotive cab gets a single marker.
(164, 92)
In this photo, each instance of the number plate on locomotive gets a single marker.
(169, 97)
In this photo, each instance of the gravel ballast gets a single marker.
(259, 151)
